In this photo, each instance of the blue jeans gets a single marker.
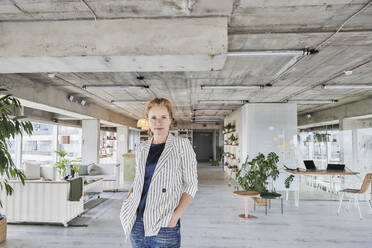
(168, 237)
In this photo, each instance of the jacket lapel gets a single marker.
(163, 157)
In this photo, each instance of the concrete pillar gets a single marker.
(122, 148)
(214, 144)
(354, 133)
(90, 144)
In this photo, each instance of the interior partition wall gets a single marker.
(269, 128)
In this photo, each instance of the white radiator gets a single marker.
(38, 201)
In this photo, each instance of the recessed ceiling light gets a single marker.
(51, 75)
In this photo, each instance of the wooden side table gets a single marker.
(246, 195)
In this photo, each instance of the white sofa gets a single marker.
(110, 174)
(40, 201)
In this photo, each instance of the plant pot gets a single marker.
(261, 201)
(3, 229)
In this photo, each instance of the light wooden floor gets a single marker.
(211, 221)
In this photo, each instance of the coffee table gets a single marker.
(246, 195)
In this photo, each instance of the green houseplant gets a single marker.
(75, 170)
(255, 175)
(10, 126)
(233, 139)
(219, 155)
(62, 163)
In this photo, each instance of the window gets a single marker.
(69, 140)
(40, 147)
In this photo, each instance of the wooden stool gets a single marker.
(246, 195)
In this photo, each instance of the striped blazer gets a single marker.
(175, 173)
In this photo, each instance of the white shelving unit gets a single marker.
(233, 149)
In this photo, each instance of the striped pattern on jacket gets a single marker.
(175, 173)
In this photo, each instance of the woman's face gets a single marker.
(159, 120)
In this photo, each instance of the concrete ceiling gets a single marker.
(252, 25)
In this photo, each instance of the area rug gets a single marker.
(83, 219)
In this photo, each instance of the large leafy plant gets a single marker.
(10, 126)
(255, 175)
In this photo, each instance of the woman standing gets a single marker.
(164, 184)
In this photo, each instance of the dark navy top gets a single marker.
(152, 160)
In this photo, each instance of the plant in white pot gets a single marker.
(10, 127)
(62, 164)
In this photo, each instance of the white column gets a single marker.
(90, 144)
(270, 128)
(122, 148)
(214, 144)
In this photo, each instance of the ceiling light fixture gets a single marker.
(79, 100)
(123, 86)
(313, 101)
(347, 86)
(303, 52)
(348, 73)
(232, 86)
(130, 101)
(213, 110)
(222, 101)
(200, 117)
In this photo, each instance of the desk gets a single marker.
(315, 173)
(246, 195)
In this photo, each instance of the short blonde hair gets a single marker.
(159, 102)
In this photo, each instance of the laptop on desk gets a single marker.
(309, 164)
(335, 167)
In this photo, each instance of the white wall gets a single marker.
(90, 142)
(270, 128)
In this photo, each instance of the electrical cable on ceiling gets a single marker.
(90, 9)
(339, 29)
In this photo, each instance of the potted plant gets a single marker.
(75, 170)
(233, 139)
(10, 127)
(228, 127)
(255, 175)
(62, 163)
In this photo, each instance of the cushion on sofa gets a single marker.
(83, 170)
(48, 172)
(32, 170)
(94, 170)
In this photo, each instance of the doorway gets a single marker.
(203, 145)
